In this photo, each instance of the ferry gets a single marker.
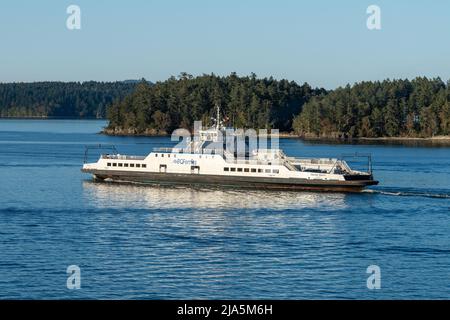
(206, 161)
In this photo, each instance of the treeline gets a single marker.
(61, 99)
(248, 102)
(391, 108)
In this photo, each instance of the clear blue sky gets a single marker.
(323, 42)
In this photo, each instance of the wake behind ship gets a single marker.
(206, 161)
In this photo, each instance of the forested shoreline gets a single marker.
(247, 102)
(397, 109)
(417, 108)
(85, 100)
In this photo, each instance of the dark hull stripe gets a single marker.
(232, 181)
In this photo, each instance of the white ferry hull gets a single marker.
(353, 185)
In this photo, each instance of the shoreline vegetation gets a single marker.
(288, 135)
(435, 140)
(389, 110)
(50, 118)
(55, 100)
(398, 109)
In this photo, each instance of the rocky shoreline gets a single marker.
(159, 133)
(134, 132)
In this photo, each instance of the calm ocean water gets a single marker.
(134, 241)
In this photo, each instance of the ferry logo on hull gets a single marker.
(185, 161)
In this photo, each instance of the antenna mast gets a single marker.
(218, 117)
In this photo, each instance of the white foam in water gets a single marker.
(409, 194)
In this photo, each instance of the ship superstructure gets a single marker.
(207, 159)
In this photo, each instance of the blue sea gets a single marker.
(149, 242)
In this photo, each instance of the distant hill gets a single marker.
(61, 99)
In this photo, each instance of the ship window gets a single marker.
(267, 170)
(226, 169)
(125, 164)
(132, 165)
(276, 171)
(239, 169)
(233, 169)
(260, 170)
(120, 164)
(138, 165)
(144, 166)
(168, 155)
(246, 170)
(162, 155)
(156, 155)
(253, 170)
(109, 164)
(114, 164)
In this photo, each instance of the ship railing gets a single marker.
(88, 148)
(355, 156)
(254, 162)
(330, 164)
(121, 157)
(167, 150)
(324, 164)
(326, 161)
(188, 151)
(289, 165)
(236, 161)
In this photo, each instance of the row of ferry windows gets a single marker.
(253, 170)
(126, 165)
